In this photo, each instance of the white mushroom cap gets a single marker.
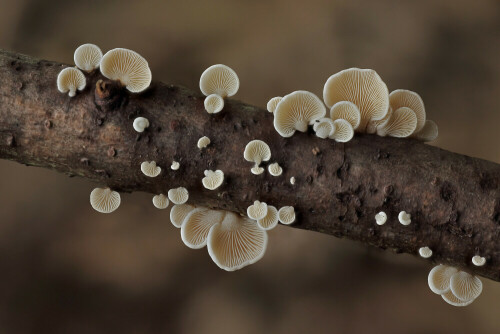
(203, 142)
(348, 111)
(178, 195)
(128, 67)
(429, 132)
(179, 212)
(362, 87)
(219, 79)
(324, 127)
(404, 218)
(292, 180)
(104, 200)
(140, 124)
(343, 131)
(439, 278)
(150, 169)
(295, 111)
(88, 57)
(273, 103)
(270, 220)
(371, 127)
(381, 218)
(425, 252)
(70, 80)
(197, 224)
(275, 169)
(175, 165)
(257, 151)
(451, 299)
(478, 260)
(258, 210)
(160, 201)
(286, 215)
(401, 124)
(465, 286)
(213, 103)
(236, 242)
(406, 98)
(213, 180)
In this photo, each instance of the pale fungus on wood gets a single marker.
(218, 82)
(257, 151)
(150, 169)
(348, 111)
(425, 252)
(271, 220)
(324, 128)
(343, 131)
(404, 218)
(381, 218)
(197, 224)
(179, 212)
(104, 200)
(160, 201)
(88, 57)
(140, 124)
(275, 169)
(213, 179)
(286, 215)
(178, 195)
(175, 165)
(203, 142)
(401, 124)
(258, 210)
(70, 80)
(273, 103)
(478, 260)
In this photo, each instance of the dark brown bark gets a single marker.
(454, 200)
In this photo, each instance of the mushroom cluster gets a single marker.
(218, 82)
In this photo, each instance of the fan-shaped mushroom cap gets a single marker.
(179, 212)
(362, 87)
(258, 210)
(292, 180)
(257, 151)
(219, 79)
(178, 195)
(324, 127)
(70, 80)
(404, 218)
(88, 57)
(270, 220)
(213, 103)
(273, 103)
(406, 98)
(348, 111)
(425, 252)
(478, 260)
(140, 124)
(275, 169)
(203, 142)
(295, 111)
(236, 242)
(175, 165)
(465, 286)
(451, 299)
(160, 201)
(197, 224)
(343, 131)
(104, 200)
(286, 215)
(150, 169)
(439, 278)
(213, 180)
(381, 218)
(401, 124)
(128, 67)
(371, 127)
(429, 132)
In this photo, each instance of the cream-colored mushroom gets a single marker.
(213, 179)
(150, 169)
(348, 111)
(381, 218)
(179, 212)
(404, 218)
(296, 111)
(465, 286)
(401, 124)
(429, 132)
(343, 131)
(451, 299)
(70, 80)
(160, 201)
(87, 57)
(425, 252)
(273, 103)
(257, 151)
(292, 180)
(178, 195)
(197, 224)
(128, 67)
(104, 200)
(371, 127)
(439, 278)
(270, 221)
(258, 210)
(203, 142)
(406, 98)
(140, 124)
(175, 165)
(213, 103)
(286, 215)
(364, 88)
(218, 80)
(324, 127)
(478, 260)
(275, 169)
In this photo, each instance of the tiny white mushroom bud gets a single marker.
(270, 221)
(257, 151)
(275, 169)
(70, 80)
(381, 218)
(140, 124)
(406, 98)
(203, 142)
(273, 103)
(160, 201)
(258, 210)
(439, 278)
(286, 215)
(178, 195)
(425, 252)
(175, 165)
(324, 127)
(88, 57)
(104, 200)
(478, 260)
(179, 212)
(292, 180)
(465, 286)
(404, 218)
(150, 169)
(213, 180)
(213, 103)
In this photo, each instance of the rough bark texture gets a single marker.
(454, 200)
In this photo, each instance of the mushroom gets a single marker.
(236, 242)
(381, 218)
(128, 67)
(70, 80)
(275, 169)
(203, 142)
(364, 88)
(465, 286)
(343, 131)
(140, 124)
(451, 299)
(270, 220)
(104, 200)
(286, 215)
(213, 180)
(371, 127)
(197, 224)
(257, 151)
(160, 201)
(439, 278)
(88, 57)
(213, 103)
(425, 252)
(150, 169)
(179, 212)
(258, 210)
(478, 260)
(220, 80)
(428, 133)
(404, 218)
(175, 165)
(348, 111)
(292, 180)
(178, 195)
(273, 103)
(324, 127)
(401, 124)
(406, 98)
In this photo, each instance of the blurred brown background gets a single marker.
(67, 269)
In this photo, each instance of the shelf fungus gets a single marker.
(343, 131)
(425, 252)
(213, 179)
(218, 82)
(381, 218)
(478, 261)
(160, 201)
(104, 200)
(401, 124)
(271, 220)
(87, 57)
(457, 288)
(296, 111)
(257, 151)
(178, 195)
(128, 67)
(404, 218)
(140, 124)
(150, 169)
(258, 210)
(273, 103)
(286, 215)
(203, 142)
(275, 169)
(70, 80)
(175, 165)
(348, 111)
(324, 127)
(179, 212)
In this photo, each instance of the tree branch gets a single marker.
(454, 200)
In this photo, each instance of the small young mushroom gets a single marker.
(178, 195)
(348, 111)
(286, 215)
(371, 127)
(203, 142)
(425, 252)
(428, 133)
(478, 260)
(439, 278)
(275, 169)
(257, 151)
(258, 210)
(381, 218)
(324, 127)
(401, 124)
(70, 80)
(179, 212)
(128, 67)
(175, 165)
(197, 224)
(343, 131)
(451, 299)
(213, 180)
(220, 80)
(150, 169)
(104, 200)
(213, 103)
(273, 103)
(406, 98)
(270, 221)
(404, 218)
(88, 57)
(465, 286)
(292, 180)
(140, 124)
(160, 201)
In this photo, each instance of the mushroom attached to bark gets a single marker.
(465, 286)
(273, 103)
(270, 220)
(104, 200)
(128, 67)
(150, 169)
(140, 124)
(348, 111)
(258, 210)
(451, 299)
(296, 111)
(175, 165)
(160, 201)
(381, 218)
(429, 132)
(401, 124)
(275, 169)
(88, 57)
(425, 252)
(70, 80)
(179, 212)
(324, 127)
(213, 179)
(218, 80)
(478, 260)
(197, 224)
(286, 215)
(292, 180)
(406, 98)
(178, 195)
(404, 218)
(257, 151)
(439, 278)
(371, 127)
(203, 142)
(213, 103)
(343, 131)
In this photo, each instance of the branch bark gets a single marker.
(454, 200)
